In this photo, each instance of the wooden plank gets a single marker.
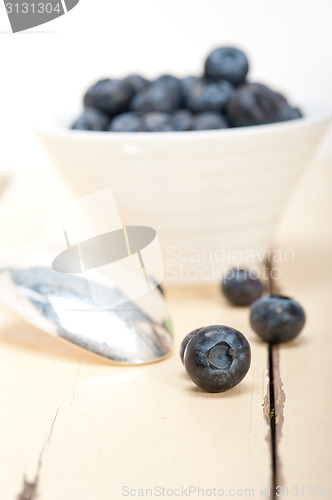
(305, 372)
(73, 427)
(304, 366)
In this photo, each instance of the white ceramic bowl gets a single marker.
(214, 197)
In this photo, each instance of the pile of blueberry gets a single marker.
(220, 98)
(217, 357)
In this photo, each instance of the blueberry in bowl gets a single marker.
(112, 96)
(277, 318)
(163, 95)
(171, 82)
(92, 119)
(256, 104)
(242, 286)
(209, 120)
(222, 89)
(156, 121)
(210, 96)
(184, 119)
(126, 122)
(188, 82)
(137, 82)
(229, 63)
(217, 358)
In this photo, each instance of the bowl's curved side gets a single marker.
(214, 199)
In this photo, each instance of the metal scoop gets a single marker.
(131, 332)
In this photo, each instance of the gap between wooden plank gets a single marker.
(274, 403)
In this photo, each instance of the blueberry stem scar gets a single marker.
(220, 356)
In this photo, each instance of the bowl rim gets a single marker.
(314, 112)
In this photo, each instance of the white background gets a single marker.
(288, 42)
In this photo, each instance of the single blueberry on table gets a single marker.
(241, 286)
(229, 63)
(277, 318)
(126, 122)
(136, 81)
(183, 118)
(255, 104)
(158, 122)
(209, 96)
(111, 96)
(92, 119)
(185, 341)
(217, 358)
(209, 120)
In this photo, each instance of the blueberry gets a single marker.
(188, 82)
(207, 96)
(136, 81)
(287, 113)
(217, 358)
(254, 104)
(156, 98)
(183, 118)
(91, 119)
(126, 122)
(173, 83)
(242, 287)
(158, 122)
(229, 63)
(173, 86)
(277, 318)
(209, 120)
(110, 96)
(185, 341)
(187, 85)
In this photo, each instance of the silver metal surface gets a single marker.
(61, 304)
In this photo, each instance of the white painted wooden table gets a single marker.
(73, 427)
